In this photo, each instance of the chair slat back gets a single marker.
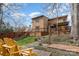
(3, 51)
(1, 41)
(9, 41)
(14, 50)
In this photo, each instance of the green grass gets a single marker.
(25, 40)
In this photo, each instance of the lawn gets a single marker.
(26, 40)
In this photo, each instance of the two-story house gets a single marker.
(41, 25)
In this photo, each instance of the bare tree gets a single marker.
(55, 10)
(1, 15)
(75, 21)
(8, 11)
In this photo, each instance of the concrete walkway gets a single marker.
(42, 52)
(39, 52)
(64, 47)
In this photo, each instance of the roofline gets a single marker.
(38, 17)
(58, 17)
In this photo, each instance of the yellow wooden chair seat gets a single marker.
(27, 52)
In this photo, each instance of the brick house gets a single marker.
(41, 25)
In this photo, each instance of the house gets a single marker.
(58, 25)
(41, 25)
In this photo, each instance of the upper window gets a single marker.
(37, 20)
(60, 21)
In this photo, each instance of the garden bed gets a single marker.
(61, 40)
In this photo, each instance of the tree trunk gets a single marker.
(75, 21)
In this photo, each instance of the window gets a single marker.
(64, 19)
(53, 26)
(37, 20)
(60, 21)
(37, 28)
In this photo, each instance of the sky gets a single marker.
(24, 12)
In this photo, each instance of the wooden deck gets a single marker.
(64, 47)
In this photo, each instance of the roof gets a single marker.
(58, 17)
(50, 19)
(38, 17)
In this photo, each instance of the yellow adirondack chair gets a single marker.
(14, 49)
(3, 51)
